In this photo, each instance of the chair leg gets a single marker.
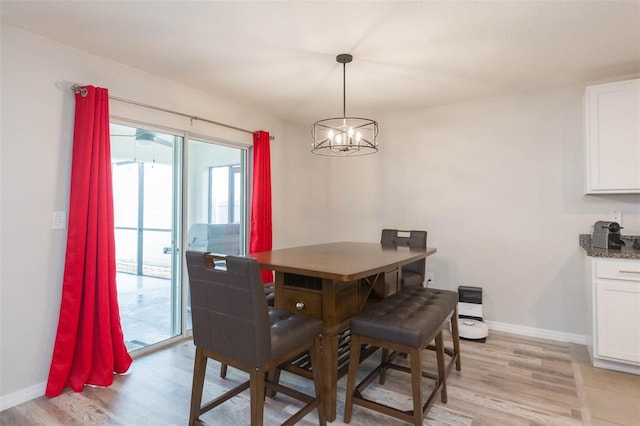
(455, 335)
(317, 380)
(416, 388)
(273, 376)
(352, 375)
(199, 370)
(223, 370)
(384, 358)
(257, 384)
(442, 375)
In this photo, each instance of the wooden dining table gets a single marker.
(333, 282)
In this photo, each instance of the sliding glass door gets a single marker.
(149, 175)
(146, 169)
(216, 193)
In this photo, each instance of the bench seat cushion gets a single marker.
(409, 317)
(288, 329)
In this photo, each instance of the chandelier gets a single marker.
(344, 136)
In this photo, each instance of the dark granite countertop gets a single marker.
(626, 252)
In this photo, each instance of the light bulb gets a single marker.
(339, 139)
(358, 137)
(330, 134)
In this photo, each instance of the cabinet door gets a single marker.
(618, 323)
(613, 137)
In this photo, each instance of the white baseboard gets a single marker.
(558, 336)
(23, 395)
(618, 366)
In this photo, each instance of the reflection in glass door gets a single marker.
(216, 192)
(145, 165)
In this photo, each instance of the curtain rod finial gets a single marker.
(77, 89)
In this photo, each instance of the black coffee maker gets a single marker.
(606, 235)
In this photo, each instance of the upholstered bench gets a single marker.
(405, 323)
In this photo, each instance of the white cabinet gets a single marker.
(612, 114)
(615, 289)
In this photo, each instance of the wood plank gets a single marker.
(509, 380)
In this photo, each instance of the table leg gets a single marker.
(279, 290)
(330, 374)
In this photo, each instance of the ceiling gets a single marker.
(280, 55)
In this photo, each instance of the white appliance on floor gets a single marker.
(471, 325)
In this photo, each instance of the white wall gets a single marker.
(497, 183)
(37, 132)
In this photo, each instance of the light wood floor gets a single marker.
(509, 380)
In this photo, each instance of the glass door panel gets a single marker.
(145, 209)
(216, 207)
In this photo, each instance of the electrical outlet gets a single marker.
(430, 279)
(615, 216)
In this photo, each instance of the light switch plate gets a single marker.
(59, 220)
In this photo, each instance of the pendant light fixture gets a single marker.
(345, 136)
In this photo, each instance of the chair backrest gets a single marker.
(228, 309)
(412, 239)
(394, 237)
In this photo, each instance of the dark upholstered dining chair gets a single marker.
(413, 273)
(233, 324)
(270, 294)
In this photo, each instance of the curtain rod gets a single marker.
(77, 89)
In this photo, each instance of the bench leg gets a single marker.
(455, 335)
(442, 375)
(416, 388)
(352, 375)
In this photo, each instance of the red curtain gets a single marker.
(89, 344)
(260, 234)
